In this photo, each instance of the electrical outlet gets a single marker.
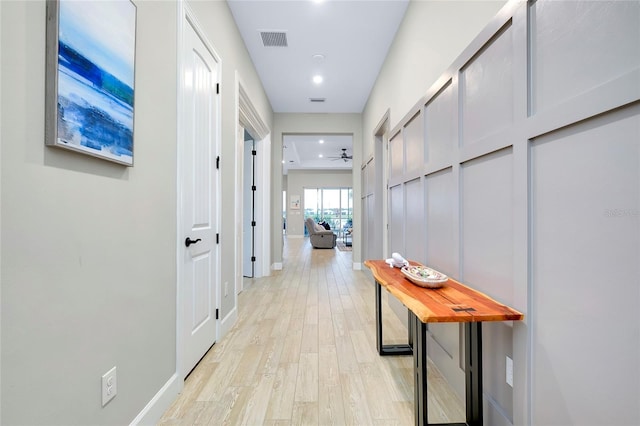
(509, 371)
(109, 386)
(226, 289)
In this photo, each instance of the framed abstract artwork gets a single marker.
(90, 77)
(295, 202)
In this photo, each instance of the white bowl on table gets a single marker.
(424, 276)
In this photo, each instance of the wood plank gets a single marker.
(305, 413)
(258, 402)
(331, 406)
(282, 395)
(454, 302)
(266, 369)
(307, 381)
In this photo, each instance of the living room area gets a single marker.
(318, 190)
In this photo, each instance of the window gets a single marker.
(333, 205)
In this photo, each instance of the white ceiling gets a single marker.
(304, 151)
(353, 37)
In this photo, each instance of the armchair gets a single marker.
(320, 237)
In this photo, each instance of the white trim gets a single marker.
(228, 322)
(1, 124)
(382, 176)
(153, 411)
(248, 115)
(263, 216)
(248, 118)
(238, 154)
(357, 266)
(179, 126)
(277, 266)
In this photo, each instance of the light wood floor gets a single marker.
(303, 353)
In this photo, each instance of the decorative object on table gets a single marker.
(90, 77)
(397, 261)
(424, 276)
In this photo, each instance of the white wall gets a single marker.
(89, 247)
(431, 35)
(298, 180)
(527, 181)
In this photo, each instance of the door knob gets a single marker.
(189, 241)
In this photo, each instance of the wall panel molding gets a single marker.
(538, 114)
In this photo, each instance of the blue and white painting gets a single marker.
(96, 56)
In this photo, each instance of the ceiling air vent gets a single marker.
(317, 100)
(274, 38)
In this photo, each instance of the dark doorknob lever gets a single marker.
(189, 241)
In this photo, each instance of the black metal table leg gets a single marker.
(411, 325)
(473, 372)
(385, 350)
(417, 346)
(420, 370)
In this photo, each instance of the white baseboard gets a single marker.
(161, 401)
(151, 414)
(277, 266)
(228, 322)
(357, 266)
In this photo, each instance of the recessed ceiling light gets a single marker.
(318, 58)
(321, 141)
(282, 161)
(317, 79)
(319, 155)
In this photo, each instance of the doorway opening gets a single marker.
(284, 212)
(252, 158)
(248, 207)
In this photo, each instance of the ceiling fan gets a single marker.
(344, 156)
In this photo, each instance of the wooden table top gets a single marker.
(454, 302)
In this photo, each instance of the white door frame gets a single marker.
(239, 209)
(0, 213)
(249, 119)
(185, 14)
(381, 154)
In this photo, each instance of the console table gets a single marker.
(454, 302)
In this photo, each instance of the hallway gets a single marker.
(303, 352)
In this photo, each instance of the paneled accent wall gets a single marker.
(519, 174)
(369, 243)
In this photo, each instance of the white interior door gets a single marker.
(199, 204)
(248, 209)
